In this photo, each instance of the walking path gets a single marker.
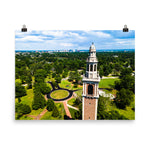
(66, 109)
(110, 77)
(58, 88)
(38, 117)
(72, 107)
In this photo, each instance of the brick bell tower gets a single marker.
(91, 81)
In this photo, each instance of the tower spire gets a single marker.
(90, 87)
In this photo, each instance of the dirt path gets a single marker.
(38, 117)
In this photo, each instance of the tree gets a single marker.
(44, 89)
(125, 72)
(19, 90)
(53, 75)
(126, 82)
(58, 78)
(123, 98)
(22, 78)
(103, 114)
(78, 114)
(40, 75)
(55, 112)
(22, 109)
(77, 101)
(19, 99)
(50, 105)
(101, 72)
(38, 101)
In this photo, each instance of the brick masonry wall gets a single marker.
(89, 108)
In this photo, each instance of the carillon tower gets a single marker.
(90, 87)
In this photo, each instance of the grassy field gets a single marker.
(128, 112)
(71, 101)
(24, 117)
(28, 98)
(36, 112)
(107, 83)
(58, 94)
(65, 84)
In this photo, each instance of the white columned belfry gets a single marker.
(91, 81)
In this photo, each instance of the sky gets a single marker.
(74, 39)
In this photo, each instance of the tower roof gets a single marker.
(92, 47)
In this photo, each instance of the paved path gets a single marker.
(72, 107)
(66, 109)
(110, 77)
(58, 88)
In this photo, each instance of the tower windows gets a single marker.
(91, 67)
(87, 67)
(94, 67)
(90, 89)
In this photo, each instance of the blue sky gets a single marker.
(74, 39)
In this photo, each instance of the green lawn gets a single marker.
(58, 94)
(71, 101)
(79, 92)
(36, 112)
(24, 117)
(107, 83)
(27, 99)
(128, 112)
(18, 80)
(65, 84)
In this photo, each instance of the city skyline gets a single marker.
(74, 39)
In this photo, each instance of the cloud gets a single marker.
(31, 38)
(74, 39)
(98, 33)
(54, 33)
(125, 41)
(67, 44)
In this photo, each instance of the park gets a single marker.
(59, 84)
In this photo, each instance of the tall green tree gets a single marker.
(19, 90)
(55, 112)
(124, 98)
(38, 100)
(50, 105)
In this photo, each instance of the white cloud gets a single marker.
(67, 44)
(125, 41)
(98, 33)
(54, 33)
(101, 34)
(31, 38)
(76, 35)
